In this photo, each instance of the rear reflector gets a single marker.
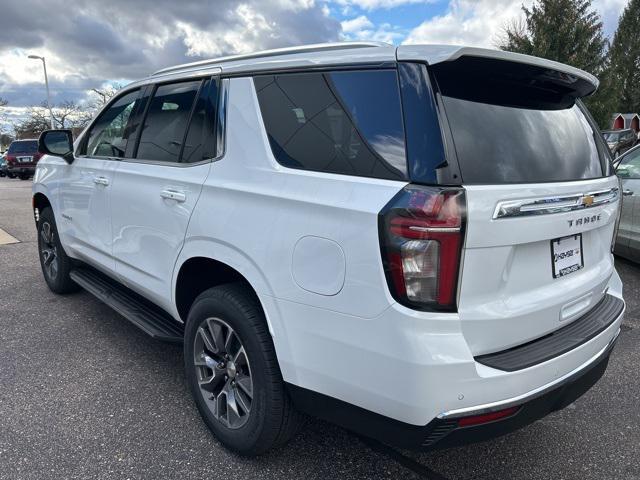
(487, 417)
(421, 232)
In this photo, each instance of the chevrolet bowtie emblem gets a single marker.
(587, 200)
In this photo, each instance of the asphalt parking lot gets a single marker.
(83, 394)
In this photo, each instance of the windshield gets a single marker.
(26, 146)
(611, 137)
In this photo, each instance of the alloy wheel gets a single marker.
(223, 372)
(49, 250)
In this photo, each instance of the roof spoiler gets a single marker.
(573, 81)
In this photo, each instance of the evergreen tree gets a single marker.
(625, 59)
(567, 31)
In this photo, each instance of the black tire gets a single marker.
(272, 419)
(52, 254)
(25, 177)
(11, 175)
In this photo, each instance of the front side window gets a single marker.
(110, 133)
(164, 128)
(347, 122)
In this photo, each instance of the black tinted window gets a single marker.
(166, 122)
(499, 144)
(24, 146)
(111, 131)
(339, 122)
(200, 143)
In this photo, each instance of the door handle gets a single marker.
(626, 193)
(173, 195)
(101, 181)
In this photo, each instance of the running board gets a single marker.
(152, 320)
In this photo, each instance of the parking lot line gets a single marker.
(6, 239)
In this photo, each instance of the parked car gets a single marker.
(355, 231)
(619, 141)
(628, 238)
(22, 157)
(3, 166)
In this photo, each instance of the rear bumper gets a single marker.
(445, 430)
(21, 169)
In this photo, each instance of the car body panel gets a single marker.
(148, 227)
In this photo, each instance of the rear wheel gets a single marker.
(11, 175)
(25, 177)
(55, 263)
(233, 373)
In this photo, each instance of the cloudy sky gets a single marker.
(92, 43)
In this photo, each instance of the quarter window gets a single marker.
(166, 122)
(347, 122)
(111, 131)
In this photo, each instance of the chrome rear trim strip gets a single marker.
(549, 205)
(533, 394)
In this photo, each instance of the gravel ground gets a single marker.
(83, 394)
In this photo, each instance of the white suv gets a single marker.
(413, 242)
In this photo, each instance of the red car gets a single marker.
(22, 158)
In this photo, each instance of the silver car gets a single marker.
(628, 239)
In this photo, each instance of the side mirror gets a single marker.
(58, 143)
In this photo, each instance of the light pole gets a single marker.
(46, 82)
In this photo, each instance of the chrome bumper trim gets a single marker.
(533, 394)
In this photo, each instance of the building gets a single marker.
(626, 120)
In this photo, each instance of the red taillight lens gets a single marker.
(37, 156)
(487, 417)
(421, 241)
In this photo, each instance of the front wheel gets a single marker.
(233, 373)
(55, 263)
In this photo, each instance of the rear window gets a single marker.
(521, 126)
(347, 122)
(26, 146)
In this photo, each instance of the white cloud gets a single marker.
(482, 22)
(469, 22)
(356, 24)
(247, 36)
(376, 4)
(361, 28)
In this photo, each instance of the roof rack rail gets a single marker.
(317, 47)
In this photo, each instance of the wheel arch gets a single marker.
(204, 264)
(39, 202)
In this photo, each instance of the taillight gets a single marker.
(10, 159)
(421, 234)
(37, 156)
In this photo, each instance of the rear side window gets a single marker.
(200, 143)
(25, 146)
(347, 122)
(516, 126)
(166, 121)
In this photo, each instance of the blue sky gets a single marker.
(99, 43)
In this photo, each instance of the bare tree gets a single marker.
(103, 95)
(67, 114)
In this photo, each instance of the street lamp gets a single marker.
(46, 82)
